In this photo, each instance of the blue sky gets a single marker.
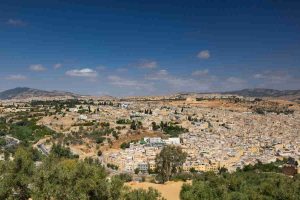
(152, 47)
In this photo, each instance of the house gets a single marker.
(82, 117)
(143, 167)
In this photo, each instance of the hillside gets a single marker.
(261, 92)
(290, 95)
(24, 92)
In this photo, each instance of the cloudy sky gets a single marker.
(149, 47)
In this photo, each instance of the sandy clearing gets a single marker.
(169, 190)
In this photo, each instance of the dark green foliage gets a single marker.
(155, 127)
(2, 142)
(112, 166)
(100, 140)
(242, 185)
(136, 170)
(125, 145)
(62, 152)
(116, 135)
(3, 126)
(70, 179)
(268, 167)
(28, 131)
(140, 194)
(184, 176)
(172, 129)
(16, 176)
(70, 103)
(135, 125)
(60, 178)
(125, 177)
(148, 112)
(168, 162)
(123, 121)
(97, 135)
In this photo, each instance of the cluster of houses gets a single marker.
(216, 137)
(140, 155)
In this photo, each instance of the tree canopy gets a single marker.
(169, 161)
(61, 177)
(242, 185)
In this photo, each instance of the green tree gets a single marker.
(198, 191)
(169, 161)
(242, 185)
(133, 125)
(15, 176)
(70, 179)
(63, 152)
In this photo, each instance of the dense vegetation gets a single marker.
(62, 178)
(28, 131)
(24, 130)
(242, 185)
(172, 129)
(259, 181)
(63, 152)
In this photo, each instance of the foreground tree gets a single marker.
(168, 162)
(242, 185)
(58, 177)
(70, 179)
(15, 176)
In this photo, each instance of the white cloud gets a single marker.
(57, 65)
(162, 72)
(235, 80)
(147, 64)
(277, 79)
(122, 82)
(16, 77)
(178, 83)
(85, 72)
(205, 54)
(230, 84)
(200, 72)
(159, 75)
(274, 76)
(37, 68)
(258, 76)
(16, 22)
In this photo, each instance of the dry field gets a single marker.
(169, 190)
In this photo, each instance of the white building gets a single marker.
(173, 141)
(82, 117)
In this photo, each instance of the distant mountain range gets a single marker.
(261, 92)
(24, 93)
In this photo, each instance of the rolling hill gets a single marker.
(261, 92)
(24, 92)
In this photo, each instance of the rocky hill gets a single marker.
(24, 93)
